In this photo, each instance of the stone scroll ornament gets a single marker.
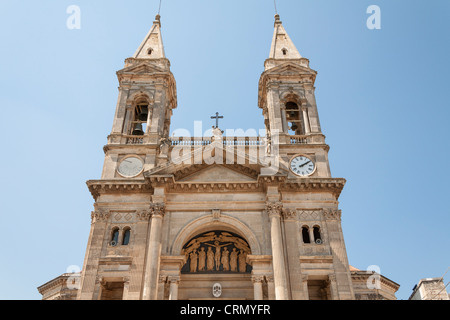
(216, 252)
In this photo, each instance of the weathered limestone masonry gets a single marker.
(172, 221)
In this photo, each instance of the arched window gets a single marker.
(284, 50)
(317, 236)
(126, 237)
(114, 237)
(305, 235)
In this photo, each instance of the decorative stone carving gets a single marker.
(216, 252)
(158, 209)
(332, 214)
(289, 214)
(257, 279)
(216, 215)
(274, 208)
(99, 216)
(217, 290)
(310, 215)
(144, 215)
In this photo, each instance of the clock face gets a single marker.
(302, 166)
(130, 167)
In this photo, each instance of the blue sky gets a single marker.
(381, 94)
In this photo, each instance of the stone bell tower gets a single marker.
(304, 203)
(147, 96)
(116, 257)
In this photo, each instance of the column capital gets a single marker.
(257, 279)
(162, 278)
(174, 279)
(274, 208)
(158, 210)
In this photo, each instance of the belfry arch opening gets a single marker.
(294, 118)
(140, 116)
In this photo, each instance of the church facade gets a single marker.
(217, 217)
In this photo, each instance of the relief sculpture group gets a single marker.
(216, 252)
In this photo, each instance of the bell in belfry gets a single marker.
(294, 127)
(143, 115)
(137, 131)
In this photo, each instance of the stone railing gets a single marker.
(227, 141)
(299, 139)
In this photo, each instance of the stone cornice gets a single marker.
(97, 187)
(334, 185)
(364, 275)
(58, 281)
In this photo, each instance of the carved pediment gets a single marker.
(188, 164)
(219, 173)
(143, 68)
(290, 68)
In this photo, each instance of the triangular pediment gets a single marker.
(290, 68)
(218, 173)
(143, 68)
(243, 166)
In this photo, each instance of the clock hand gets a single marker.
(304, 164)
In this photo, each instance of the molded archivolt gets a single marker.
(208, 223)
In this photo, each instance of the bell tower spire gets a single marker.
(152, 47)
(282, 47)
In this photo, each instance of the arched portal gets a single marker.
(216, 252)
(215, 255)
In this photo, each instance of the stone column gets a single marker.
(161, 286)
(284, 120)
(257, 287)
(311, 234)
(306, 120)
(153, 252)
(304, 279)
(174, 282)
(88, 281)
(279, 266)
(126, 288)
(333, 288)
(291, 230)
(344, 286)
(270, 287)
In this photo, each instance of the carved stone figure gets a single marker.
(194, 257)
(225, 259)
(216, 252)
(233, 260)
(210, 260)
(242, 261)
(201, 259)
